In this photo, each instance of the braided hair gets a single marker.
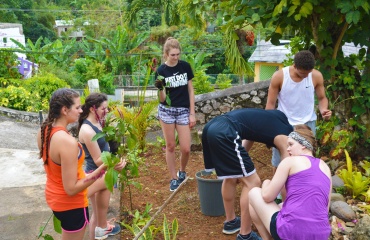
(63, 97)
(93, 100)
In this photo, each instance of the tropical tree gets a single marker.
(119, 50)
(322, 26)
(168, 9)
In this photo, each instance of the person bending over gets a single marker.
(224, 153)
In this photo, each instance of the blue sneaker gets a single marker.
(174, 184)
(110, 230)
(232, 226)
(181, 176)
(252, 236)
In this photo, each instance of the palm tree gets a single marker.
(167, 8)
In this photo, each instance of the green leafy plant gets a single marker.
(355, 183)
(140, 118)
(150, 232)
(168, 100)
(57, 228)
(223, 81)
(201, 83)
(118, 130)
(366, 166)
(334, 140)
(16, 98)
(41, 88)
(167, 233)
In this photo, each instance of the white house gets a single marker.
(63, 26)
(14, 31)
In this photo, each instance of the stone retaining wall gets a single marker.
(251, 95)
(207, 106)
(22, 115)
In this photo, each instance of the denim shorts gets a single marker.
(275, 159)
(173, 115)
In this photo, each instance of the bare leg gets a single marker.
(261, 212)
(92, 223)
(228, 197)
(248, 183)
(99, 196)
(183, 132)
(169, 136)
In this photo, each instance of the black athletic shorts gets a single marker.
(273, 229)
(223, 150)
(73, 220)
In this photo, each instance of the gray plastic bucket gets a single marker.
(209, 191)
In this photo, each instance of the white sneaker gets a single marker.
(110, 230)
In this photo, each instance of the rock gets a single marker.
(337, 197)
(337, 181)
(343, 211)
(362, 229)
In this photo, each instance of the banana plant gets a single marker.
(118, 50)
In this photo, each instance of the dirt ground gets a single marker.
(185, 205)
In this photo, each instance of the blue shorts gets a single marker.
(173, 115)
(73, 220)
(275, 159)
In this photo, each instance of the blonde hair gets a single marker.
(306, 132)
(169, 44)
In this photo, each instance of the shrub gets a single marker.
(42, 87)
(223, 81)
(16, 98)
(201, 83)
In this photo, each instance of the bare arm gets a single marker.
(192, 119)
(247, 144)
(274, 89)
(85, 136)
(270, 189)
(320, 93)
(64, 150)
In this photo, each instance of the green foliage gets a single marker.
(118, 130)
(8, 64)
(41, 87)
(17, 98)
(355, 183)
(223, 81)
(57, 224)
(168, 232)
(201, 83)
(5, 82)
(140, 118)
(151, 232)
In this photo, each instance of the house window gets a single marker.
(5, 40)
(266, 72)
(65, 29)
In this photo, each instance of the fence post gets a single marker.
(41, 117)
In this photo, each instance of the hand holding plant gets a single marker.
(159, 84)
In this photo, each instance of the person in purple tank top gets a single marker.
(304, 213)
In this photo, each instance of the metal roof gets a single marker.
(267, 52)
